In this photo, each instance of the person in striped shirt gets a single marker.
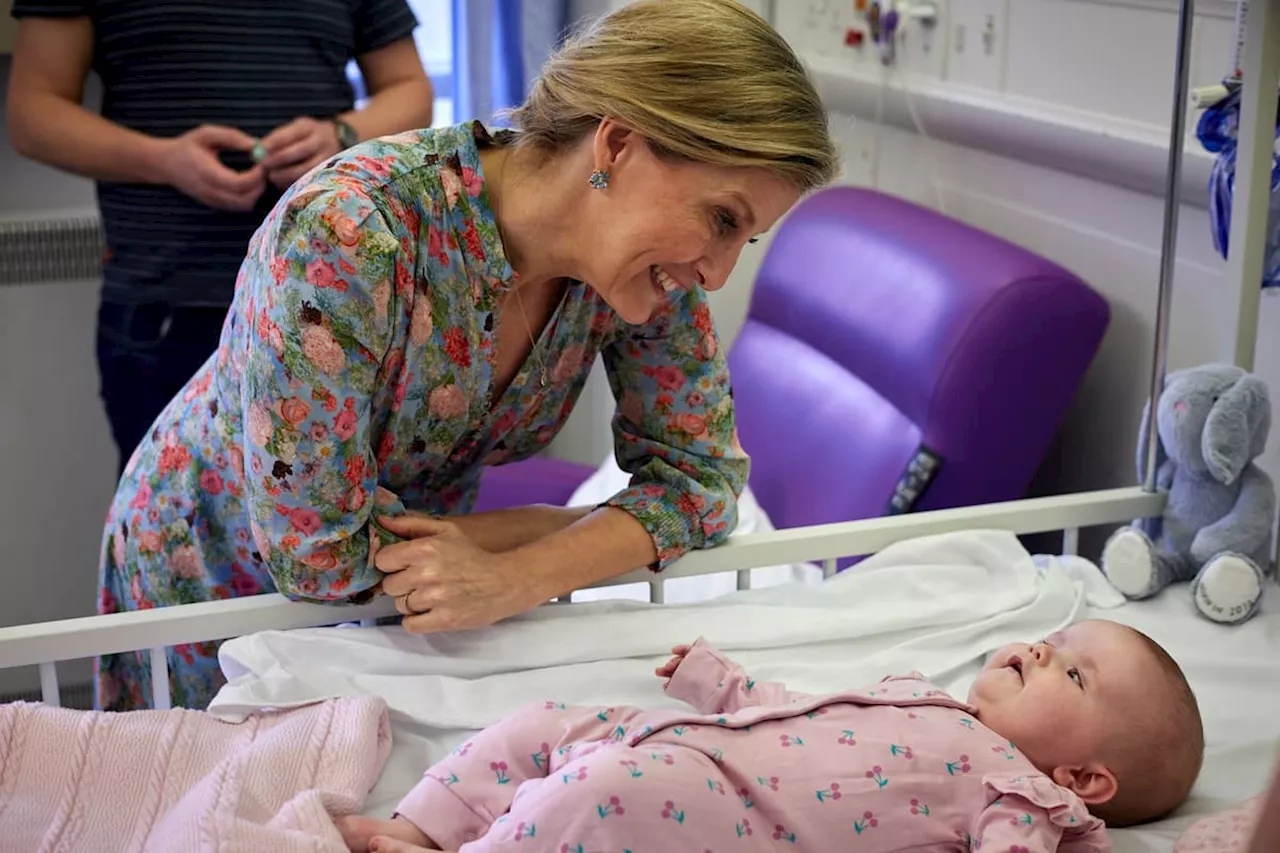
(210, 110)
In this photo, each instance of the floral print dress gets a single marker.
(356, 368)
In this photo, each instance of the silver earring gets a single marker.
(599, 179)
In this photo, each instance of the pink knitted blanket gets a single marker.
(183, 781)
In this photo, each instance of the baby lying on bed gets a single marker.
(1105, 727)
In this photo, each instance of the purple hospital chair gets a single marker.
(893, 360)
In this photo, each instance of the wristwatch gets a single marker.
(346, 133)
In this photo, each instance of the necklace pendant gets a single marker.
(542, 378)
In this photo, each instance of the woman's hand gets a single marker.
(668, 669)
(442, 581)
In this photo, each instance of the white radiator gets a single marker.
(49, 250)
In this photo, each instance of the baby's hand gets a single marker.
(669, 668)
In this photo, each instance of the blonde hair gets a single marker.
(704, 80)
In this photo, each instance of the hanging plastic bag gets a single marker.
(1217, 131)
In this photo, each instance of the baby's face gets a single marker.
(1058, 700)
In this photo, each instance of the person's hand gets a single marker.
(668, 669)
(442, 581)
(294, 148)
(190, 164)
(367, 835)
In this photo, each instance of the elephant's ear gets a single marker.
(1143, 446)
(1235, 432)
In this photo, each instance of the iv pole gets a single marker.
(1169, 240)
(1259, 64)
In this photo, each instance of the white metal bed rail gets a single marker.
(46, 643)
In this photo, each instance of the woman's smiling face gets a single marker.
(663, 224)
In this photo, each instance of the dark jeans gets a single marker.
(146, 353)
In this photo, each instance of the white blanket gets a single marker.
(936, 604)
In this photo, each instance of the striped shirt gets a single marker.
(169, 66)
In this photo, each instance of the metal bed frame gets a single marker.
(46, 643)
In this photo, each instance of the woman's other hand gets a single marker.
(443, 581)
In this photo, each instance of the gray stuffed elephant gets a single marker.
(1212, 423)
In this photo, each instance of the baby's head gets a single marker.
(1104, 711)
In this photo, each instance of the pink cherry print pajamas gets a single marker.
(756, 768)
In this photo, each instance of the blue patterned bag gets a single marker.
(1217, 131)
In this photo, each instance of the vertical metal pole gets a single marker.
(1251, 193)
(161, 697)
(1257, 60)
(1071, 541)
(49, 685)
(1169, 241)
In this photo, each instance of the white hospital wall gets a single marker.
(58, 462)
(1083, 61)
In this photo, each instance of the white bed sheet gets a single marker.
(936, 604)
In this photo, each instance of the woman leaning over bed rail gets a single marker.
(427, 304)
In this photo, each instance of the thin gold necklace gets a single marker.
(528, 328)
(533, 344)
